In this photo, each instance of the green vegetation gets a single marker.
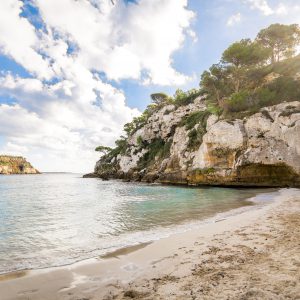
(139, 122)
(195, 138)
(254, 74)
(213, 108)
(196, 134)
(103, 149)
(167, 111)
(110, 153)
(157, 148)
(197, 117)
(140, 141)
(280, 40)
(160, 99)
(182, 98)
(121, 147)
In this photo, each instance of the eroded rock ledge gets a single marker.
(260, 150)
(15, 165)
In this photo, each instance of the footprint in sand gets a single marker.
(27, 292)
(130, 267)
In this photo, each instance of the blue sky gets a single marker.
(67, 86)
(213, 37)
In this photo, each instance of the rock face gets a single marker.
(260, 150)
(15, 165)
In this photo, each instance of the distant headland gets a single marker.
(15, 165)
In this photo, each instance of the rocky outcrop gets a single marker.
(262, 149)
(15, 165)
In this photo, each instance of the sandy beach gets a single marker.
(253, 254)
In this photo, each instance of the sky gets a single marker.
(73, 72)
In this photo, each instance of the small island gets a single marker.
(15, 165)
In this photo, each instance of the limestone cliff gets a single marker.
(188, 145)
(15, 165)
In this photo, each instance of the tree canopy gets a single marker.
(245, 53)
(252, 74)
(103, 149)
(159, 98)
(280, 40)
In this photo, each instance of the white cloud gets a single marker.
(281, 9)
(18, 40)
(192, 35)
(59, 122)
(124, 41)
(261, 5)
(60, 127)
(234, 19)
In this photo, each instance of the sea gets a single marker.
(56, 219)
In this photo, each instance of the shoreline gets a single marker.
(132, 273)
(250, 203)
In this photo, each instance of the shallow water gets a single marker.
(57, 219)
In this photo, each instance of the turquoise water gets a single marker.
(57, 219)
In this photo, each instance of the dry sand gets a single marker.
(251, 255)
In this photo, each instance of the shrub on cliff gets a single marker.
(160, 99)
(197, 117)
(239, 101)
(158, 148)
(182, 98)
(196, 123)
(103, 149)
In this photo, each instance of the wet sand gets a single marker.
(124, 251)
(251, 255)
